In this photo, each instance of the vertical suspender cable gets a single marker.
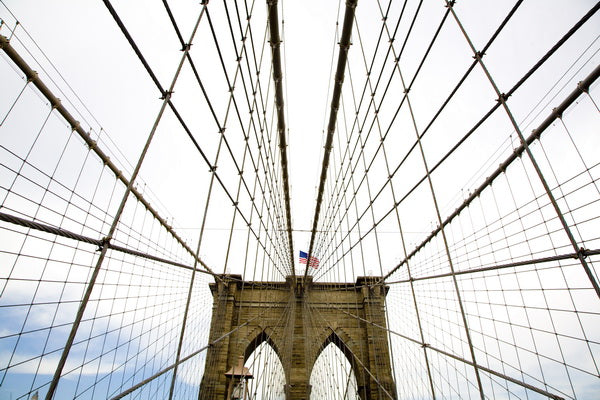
(335, 103)
(277, 79)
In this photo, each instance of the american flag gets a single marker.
(314, 262)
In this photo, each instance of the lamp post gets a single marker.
(237, 377)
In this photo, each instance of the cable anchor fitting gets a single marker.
(503, 97)
(450, 3)
(166, 95)
(103, 243)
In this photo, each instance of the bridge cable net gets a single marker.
(483, 232)
(461, 181)
(104, 289)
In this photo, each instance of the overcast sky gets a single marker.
(82, 41)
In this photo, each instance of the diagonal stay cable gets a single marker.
(93, 145)
(174, 109)
(527, 75)
(189, 356)
(454, 356)
(535, 135)
(113, 228)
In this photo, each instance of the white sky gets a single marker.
(84, 43)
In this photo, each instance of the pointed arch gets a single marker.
(339, 342)
(261, 342)
(259, 338)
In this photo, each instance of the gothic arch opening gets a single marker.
(333, 374)
(263, 360)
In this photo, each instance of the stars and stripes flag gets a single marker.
(314, 262)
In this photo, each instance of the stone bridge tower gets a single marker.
(276, 313)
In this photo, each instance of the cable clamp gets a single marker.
(166, 95)
(103, 243)
(583, 88)
(503, 97)
(186, 47)
(450, 4)
(582, 253)
(345, 47)
(558, 114)
(33, 76)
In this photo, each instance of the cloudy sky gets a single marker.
(100, 79)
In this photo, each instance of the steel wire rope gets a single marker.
(502, 99)
(116, 219)
(570, 211)
(75, 126)
(456, 357)
(481, 311)
(172, 106)
(416, 308)
(102, 282)
(451, 95)
(528, 242)
(362, 155)
(116, 148)
(238, 69)
(40, 386)
(224, 69)
(480, 122)
(38, 286)
(353, 169)
(235, 106)
(332, 203)
(327, 97)
(239, 118)
(238, 190)
(380, 386)
(361, 248)
(504, 217)
(377, 356)
(370, 70)
(184, 359)
(450, 258)
(350, 170)
(274, 38)
(341, 66)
